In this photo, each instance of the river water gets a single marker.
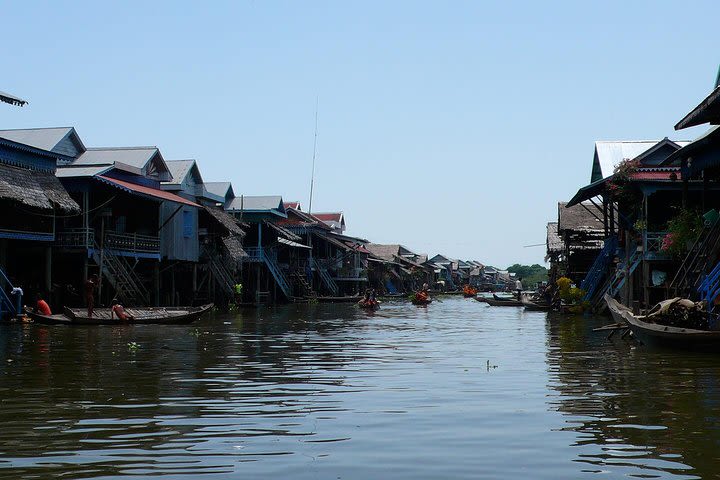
(455, 390)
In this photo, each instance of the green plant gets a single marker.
(683, 229)
(640, 225)
(620, 185)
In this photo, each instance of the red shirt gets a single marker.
(43, 308)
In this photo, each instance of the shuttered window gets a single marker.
(188, 226)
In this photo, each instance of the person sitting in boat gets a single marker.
(118, 310)
(41, 306)
(425, 287)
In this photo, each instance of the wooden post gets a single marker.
(102, 255)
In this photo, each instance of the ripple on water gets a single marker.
(455, 390)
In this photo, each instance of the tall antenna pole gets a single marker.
(312, 176)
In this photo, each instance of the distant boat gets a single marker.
(494, 302)
(101, 316)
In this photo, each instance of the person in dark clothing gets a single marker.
(90, 286)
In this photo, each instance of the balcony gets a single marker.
(126, 244)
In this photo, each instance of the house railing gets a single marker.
(652, 243)
(132, 242)
(76, 238)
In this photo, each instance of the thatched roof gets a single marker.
(554, 243)
(233, 244)
(578, 219)
(226, 220)
(34, 189)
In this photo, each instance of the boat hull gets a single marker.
(503, 303)
(662, 335)
(156, 315)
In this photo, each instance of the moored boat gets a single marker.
(535, 306)
(653, 333)
(493, 302)
(102, 316)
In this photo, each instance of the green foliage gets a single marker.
(530, 274)
(683, 229)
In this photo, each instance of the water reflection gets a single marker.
(455, 390)
(637, 411)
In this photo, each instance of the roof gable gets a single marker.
(184, 173)
(268, 203)
(62, 140)
(220, 189)
(145, 161)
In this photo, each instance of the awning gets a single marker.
(143, 191)
(226, 220)
(290, 243)
(34, 188)
(589, 191)
(283, 232)
(707, 111)
(334, 241)
(12, 99)
(234, 247)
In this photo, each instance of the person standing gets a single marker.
(90, 286)
(518, 287)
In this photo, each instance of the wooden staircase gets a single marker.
(304, 287)
(7, 306)
(617, 280)
(122, 276)
(698, 262)
(325, 277)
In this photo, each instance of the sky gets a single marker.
(449, 127)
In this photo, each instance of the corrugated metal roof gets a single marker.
(220, 189)
(257, 204)
(136, 157)
(608, 154)
(146, 191)
(12, 99)
(72, 172)
(179, 169)
(43, 138)
(707, 111)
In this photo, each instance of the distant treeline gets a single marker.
(530, 274)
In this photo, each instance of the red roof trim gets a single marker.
(146, 191)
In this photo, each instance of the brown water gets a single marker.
(455, 390)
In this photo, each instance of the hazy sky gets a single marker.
(451, 127)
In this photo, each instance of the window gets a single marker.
(188, 224)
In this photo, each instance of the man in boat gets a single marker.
(41, 306)
(118, 310)
(90, 286)
(518, 287)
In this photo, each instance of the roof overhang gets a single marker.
(708, 111)
(147, 192)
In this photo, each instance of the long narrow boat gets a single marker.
(503, 303)
(101, 316)
(654, 333)
(535, 306)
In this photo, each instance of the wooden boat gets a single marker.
(503, 303)
(653, 333)
(352, 299)
(417, 301)
(535, 306)
(101, 316)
